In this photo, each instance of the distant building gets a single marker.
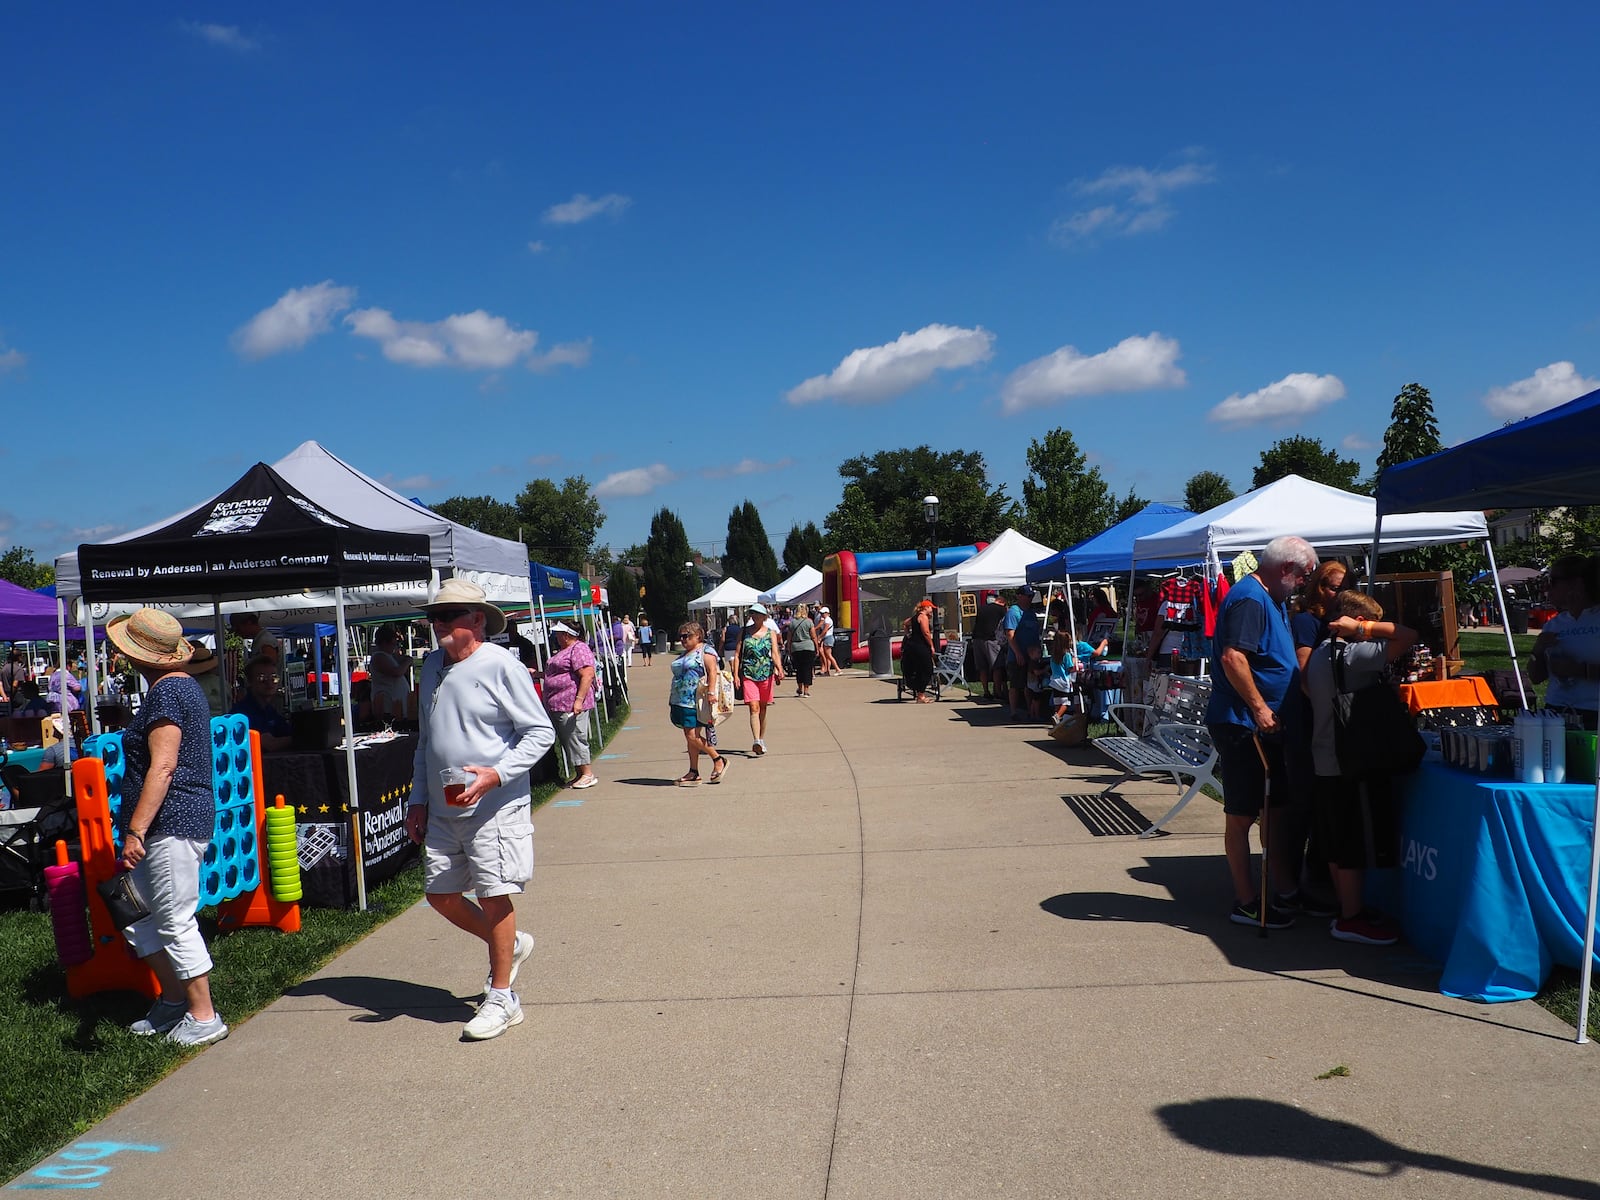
(1518, 524)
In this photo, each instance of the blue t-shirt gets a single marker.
(190, 807)
(264, 720)
(1252, 622)
(1026, 624)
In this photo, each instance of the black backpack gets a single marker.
(1373, 734)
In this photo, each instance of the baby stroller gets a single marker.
(39, 816)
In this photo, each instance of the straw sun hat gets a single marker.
(463, 593)
(151, 638)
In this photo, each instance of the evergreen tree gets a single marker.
(622, 586)
(668, 584)
(748, 556)
(1205, 490)
(1128, 505)
(803, 547)
(1064, 500)
(1308, 458)
(1412, 432)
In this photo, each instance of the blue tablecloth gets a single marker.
(1494, 878)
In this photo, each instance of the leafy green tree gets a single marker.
(1205, 490)
(748, 556)
(622, 586)
(483, 513)
(1128, 505)
(668, 585)
(1308, 458)
(1064, 500)
(17, 565)
(881, 508)
(559, 524)
(803, 547)
(1412, 432)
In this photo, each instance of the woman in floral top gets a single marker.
(692, 671)
(759, 665)
(568, 697)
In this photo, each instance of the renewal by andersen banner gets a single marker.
(261, 537)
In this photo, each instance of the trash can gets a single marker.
(1517, 611)
(843, 648)
(880, 652)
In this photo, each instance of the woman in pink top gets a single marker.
(568, 697)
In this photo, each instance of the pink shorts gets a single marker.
(758, 692)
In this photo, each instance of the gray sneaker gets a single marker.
(498, 1013)
(190, 1032)
(521, 952)
(163, 1016)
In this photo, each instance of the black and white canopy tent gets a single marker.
(1545, 461)
(260, 537)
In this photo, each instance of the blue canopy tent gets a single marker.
(1545, 461)
(1110, 552)
(554, 583)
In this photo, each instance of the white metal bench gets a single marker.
(1165, 737)
(949, 668)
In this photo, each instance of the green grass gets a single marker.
(69, 1063)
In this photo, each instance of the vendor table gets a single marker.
(1494, 878)
(317, 787)
(1470, 691)
(27, 758)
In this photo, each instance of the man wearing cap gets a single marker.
(479, 713)
(1022, 631)
(263, 644)
(991, 614)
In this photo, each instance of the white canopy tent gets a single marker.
(794, 589)
(497, 565)
(1326, 517)
(730, 593)
(1002, 563)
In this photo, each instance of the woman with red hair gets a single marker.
(916, 652)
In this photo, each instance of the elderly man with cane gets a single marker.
(1254, 668)
(482, 728)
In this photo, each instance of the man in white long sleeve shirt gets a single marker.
(479, 712)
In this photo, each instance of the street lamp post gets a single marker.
(930, 514)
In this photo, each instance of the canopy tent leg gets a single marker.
(92, 686)
(1505, 621)
(66, 719)
(544, 636)
(350, 747)
(226, 683)
(1587, 974)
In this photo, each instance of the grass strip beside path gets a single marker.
(69, 1063)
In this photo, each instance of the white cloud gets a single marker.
(1292, 396)
(1545, 388)
(537, 247)
(563, 354)
(11, 360)
(1138, 201)
(583, 208)
(880, 372)
(473, 341)
(1354, 441)
(229, 37)
(746, 466)
(1135, 364)
(299, 315)
(637, 482)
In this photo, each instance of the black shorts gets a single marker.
(1244, 783)
(1358, 821)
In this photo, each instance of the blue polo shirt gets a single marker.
(1252, 622)
(262, 719)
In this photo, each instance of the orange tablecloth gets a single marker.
(1470, 691)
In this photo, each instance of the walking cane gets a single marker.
(1266, 807)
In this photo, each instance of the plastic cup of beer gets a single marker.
(455, 781)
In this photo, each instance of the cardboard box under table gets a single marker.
(315, 784)
(1493, 878)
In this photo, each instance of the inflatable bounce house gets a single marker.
(878, 590)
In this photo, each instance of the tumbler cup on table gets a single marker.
(455, 781)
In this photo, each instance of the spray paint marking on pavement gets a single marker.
(77, 1168)
(609, 757)
(567, 804)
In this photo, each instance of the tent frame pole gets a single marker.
(356, 848)
(1505, 622)
(1586, 975)
(544, 637)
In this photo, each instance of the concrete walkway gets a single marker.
(886, 960)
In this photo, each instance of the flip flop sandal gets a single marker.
(719, 771)
(692, 779)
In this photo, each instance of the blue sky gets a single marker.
(703, 253)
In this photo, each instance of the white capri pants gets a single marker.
(168, 877)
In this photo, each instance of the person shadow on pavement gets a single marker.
(1255, 1128)
(386, 999)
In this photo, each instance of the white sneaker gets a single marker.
(498, 1013)
(190, 1032)
(585, 781)
(520, 953)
